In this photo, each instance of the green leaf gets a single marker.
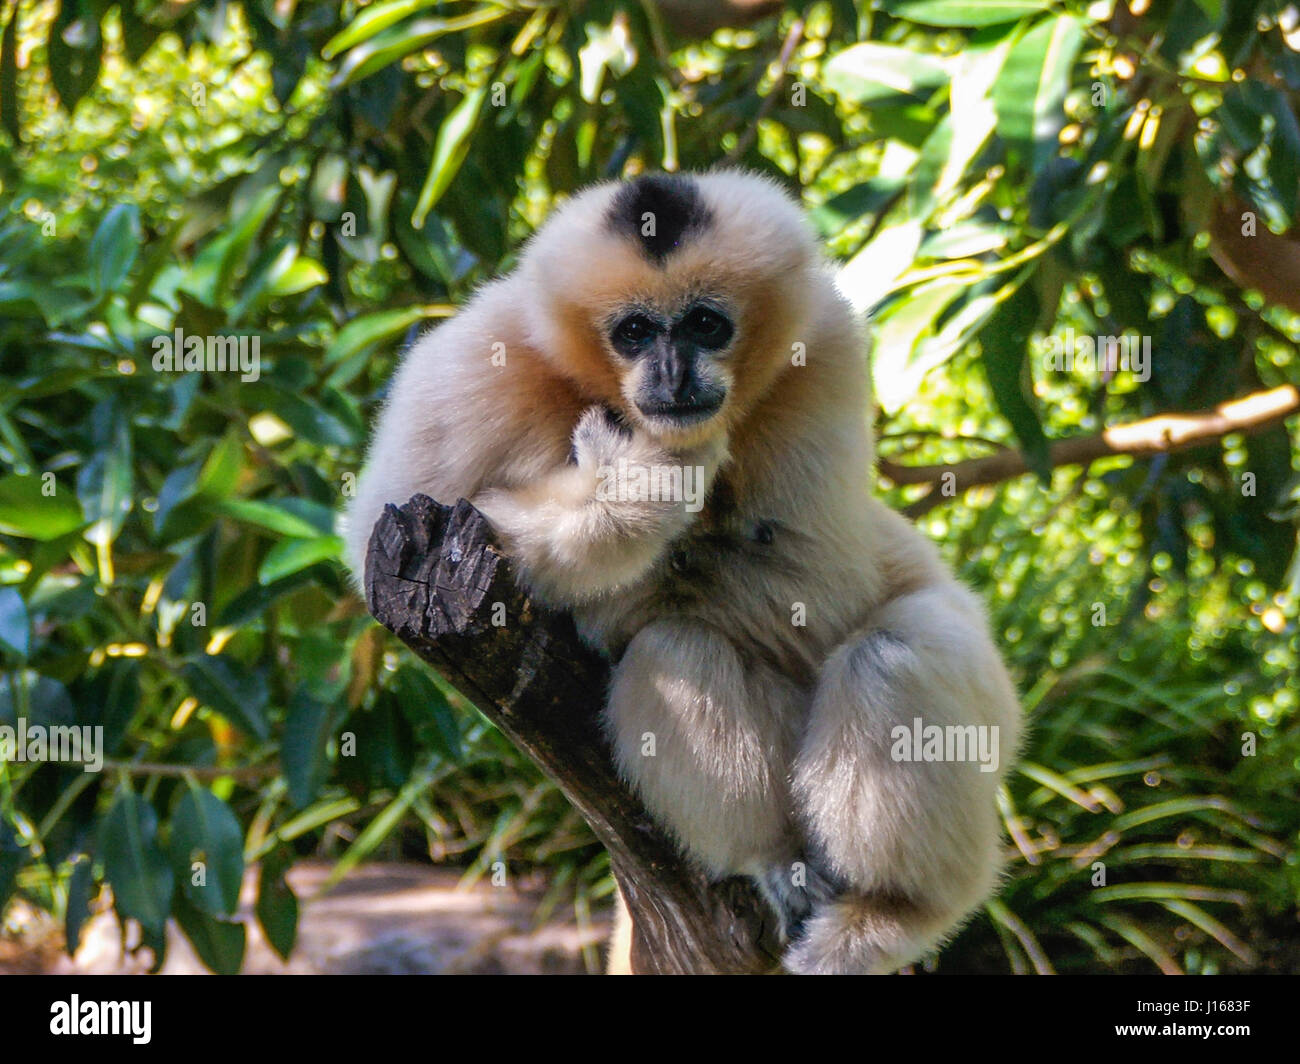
(110, 699)
(901, 362)
(370, 21)
(14, 854)
(179, 515)
(428, 711)
(383, 825)
(21, 299)
(1197, 916)
(134, 866)
(15, 628)
(371, 329)
(25, 511)
(871, 72)
(291, 555)
(271, 264)
(277, 906)
(956, 143)
(47, 700)
(385, 744)
(10, 113)
(234, 252)
(376, 189)
(1029, 94)
(398, 41)
(1005, 343)
(73, 51)
(220, 944)
(232, 689)
(1260, 124)
(105, 485)
(203, 829)
(449, 152)
(301, 518)
(251, 603)
(52, 382)
(849, 206)
(306, 416)
(81, 892)
(871, 273)
(210, 279)
(137, 34)
(304, 273)
(114, 248)
(607, 47)
(221, 469)
(965, 239)
(965, 12)
(307, 731)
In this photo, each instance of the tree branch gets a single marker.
(699, 18)
(435, 578)
(1163, 434)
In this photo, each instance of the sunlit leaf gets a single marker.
(964, 12)
(871, 72)
(449, 152)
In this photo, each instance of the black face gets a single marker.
(672, 386)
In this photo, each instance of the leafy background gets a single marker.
(330, 178)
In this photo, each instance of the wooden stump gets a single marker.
(435, 578)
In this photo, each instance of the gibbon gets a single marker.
(664, 412)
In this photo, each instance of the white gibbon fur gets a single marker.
(768, 647)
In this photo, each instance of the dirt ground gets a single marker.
(382, 919)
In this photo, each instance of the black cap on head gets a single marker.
(659, 211)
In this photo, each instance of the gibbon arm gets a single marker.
(600, 523)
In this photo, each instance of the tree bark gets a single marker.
(435, 578)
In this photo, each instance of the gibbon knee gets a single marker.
(704, 738)
(911, 728)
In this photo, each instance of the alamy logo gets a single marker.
(635, 482)
(132, 1018)
(955, 742)
(63, 743)
(178, 353)
(1092, 355)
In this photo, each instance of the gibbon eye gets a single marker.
(708, 327)
(633, 332)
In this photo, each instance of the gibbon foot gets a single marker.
(794, 890)
(857, 935)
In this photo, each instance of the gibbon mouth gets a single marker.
(682, 413)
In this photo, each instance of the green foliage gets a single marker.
(322, 180)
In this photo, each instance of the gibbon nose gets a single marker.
(671, 376)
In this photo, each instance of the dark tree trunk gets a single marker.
(435, 578)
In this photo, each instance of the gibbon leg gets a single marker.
(706, 740)
(914, 841)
